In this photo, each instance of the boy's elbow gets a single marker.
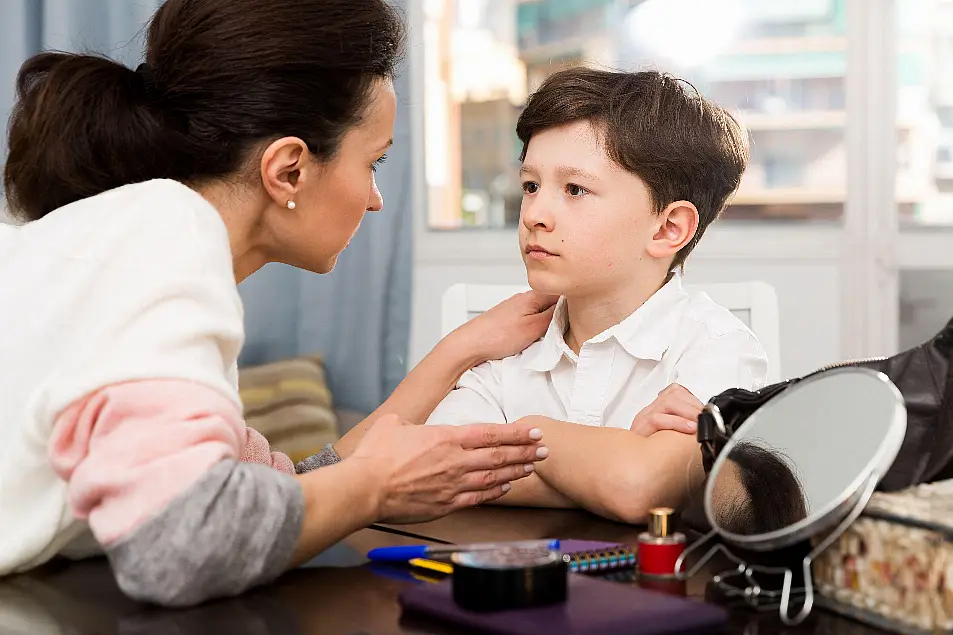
(632, 512)
(635, 493)
(626, 503)
(662, 477)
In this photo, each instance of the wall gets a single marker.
(808, 298)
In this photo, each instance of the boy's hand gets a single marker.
(675, 409)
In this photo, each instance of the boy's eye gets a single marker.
(530, 187)
(576, 190)
(380, 161)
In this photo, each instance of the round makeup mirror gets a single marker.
(802, 462)
(803, 466)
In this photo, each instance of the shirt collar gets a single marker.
(553, 346)
(645, 334)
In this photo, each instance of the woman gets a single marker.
(250, 135)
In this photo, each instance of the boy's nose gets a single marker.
(535, 217)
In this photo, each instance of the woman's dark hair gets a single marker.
(657, 127)
(220, 76)
(773, 497)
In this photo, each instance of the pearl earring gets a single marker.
(291, 205)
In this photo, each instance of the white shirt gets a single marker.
(135, 283)
(675, 337)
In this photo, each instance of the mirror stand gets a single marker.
(758, 597)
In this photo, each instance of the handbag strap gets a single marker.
(725, 413)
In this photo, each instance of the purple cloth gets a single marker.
(594, 607)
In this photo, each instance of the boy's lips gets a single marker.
(538, 252)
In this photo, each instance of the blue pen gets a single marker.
(404, 554)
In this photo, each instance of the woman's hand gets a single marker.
(506, 329)
(674, 409)
(425, 472)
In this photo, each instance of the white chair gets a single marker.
(754, 303)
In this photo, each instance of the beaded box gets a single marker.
(894, 566)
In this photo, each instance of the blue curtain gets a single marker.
(357, 317)
(110, 27)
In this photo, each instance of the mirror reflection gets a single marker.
(804, 453)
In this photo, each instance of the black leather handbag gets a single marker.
(923, 375)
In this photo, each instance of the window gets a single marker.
(779, 66)
(925, 112)
(925, 170)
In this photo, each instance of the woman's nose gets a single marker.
(376, 202)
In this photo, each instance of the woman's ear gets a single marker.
(676, 227)
(281, 167)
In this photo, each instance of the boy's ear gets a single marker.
(676, 226)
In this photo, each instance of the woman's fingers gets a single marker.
(488, 435)
(541, 302)
(481, 497)
(503, 456)
(488, 479)
(509, 327)
(542, 320)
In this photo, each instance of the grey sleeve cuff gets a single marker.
(324, 458)
(236, 528)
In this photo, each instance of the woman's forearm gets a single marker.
(235, 528)
(420, 392)
(338, 500)
(504, 330)
(239, 526)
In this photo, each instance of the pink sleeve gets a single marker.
(128, 449)
(257, 450)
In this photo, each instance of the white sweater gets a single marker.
(135, 283)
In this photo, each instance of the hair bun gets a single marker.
(144, 71)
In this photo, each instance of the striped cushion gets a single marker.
(290, 404)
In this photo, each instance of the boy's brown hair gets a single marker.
(655, 126)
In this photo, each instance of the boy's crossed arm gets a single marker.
(615, 473)
(622, 474)
(619, 474)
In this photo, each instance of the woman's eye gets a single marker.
(380, 161)
(530, 187)
(576, 190)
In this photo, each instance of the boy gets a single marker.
(621, 173)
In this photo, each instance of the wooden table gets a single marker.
(338, 592)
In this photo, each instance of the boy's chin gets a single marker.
(547, 283)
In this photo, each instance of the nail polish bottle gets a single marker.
(659, 547)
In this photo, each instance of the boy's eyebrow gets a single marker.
(563, 172)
